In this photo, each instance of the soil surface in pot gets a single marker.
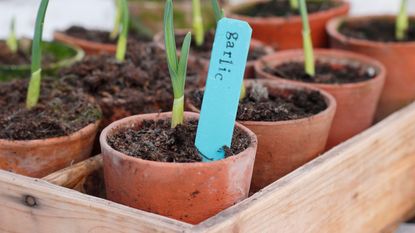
(100, 36)
(61, 111)
(22, 55)
(157, 141)
(327, 73)
(205, 49)
(140, 84)
(381, 30)
(281, 8)
(260, 105)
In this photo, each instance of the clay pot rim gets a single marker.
(158, 39)
(55, 140)
(79, 55)
(330, 101)
(333, 25)
(231, 11)
(61, 36)
(327, 53)
(188, 115)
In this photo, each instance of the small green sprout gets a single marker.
(402, 21)
(34, 85)
(177, 66)
(294, 5)
(122, 39)
(307, 42)
(116, 30)
(198, 23)
(11, 39)
(219, 13)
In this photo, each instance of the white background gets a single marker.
(100, 13)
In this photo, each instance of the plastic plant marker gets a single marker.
(223, 88)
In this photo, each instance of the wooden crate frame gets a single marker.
(367, 184)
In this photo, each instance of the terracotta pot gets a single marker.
(285, 32)
(68, 55)
(38, 158)
(356, 102)
(203, 63)
(283, 146)
(398, 58)
(90, 47)
(190, 192)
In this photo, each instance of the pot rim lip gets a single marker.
(230, 9)
(249, 151)
(88, 129)
(79, 54)
(329, 99)
(158, 39)
(295, 53)
(57, 35)
(333, 25)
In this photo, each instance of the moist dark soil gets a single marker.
(140, 84)
(22, 56)
(260, 105)
(281, 8)
(60, 112)
(205, 49)
(157, 141)
(99, 36)
(381, 30)
(325, 73)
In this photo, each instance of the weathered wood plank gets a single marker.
(32, 205)
(365, 185)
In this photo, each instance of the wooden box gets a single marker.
(367, 184)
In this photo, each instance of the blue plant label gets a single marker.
(223, 88)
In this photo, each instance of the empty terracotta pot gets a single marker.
(356, 102)
(190, 192)
(203, 63)
(398, 58)
(284, 146)
(38, 158)
(90, 47)
(285, 32)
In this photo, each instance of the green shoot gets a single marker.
(122, 39)
(34, 85)
(219, 13)
(177, 66)
(294, 5)
(307, 42)
(198, 23)
(402, 21)
(117, 22)
(12, 40)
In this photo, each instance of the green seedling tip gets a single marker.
(35, 80)
(198, 23)
(294, 5)
(177, 66)
(11, 39)
(402, 21)
(307, 42)
(122, 39)
(219, 13)
(116, 30)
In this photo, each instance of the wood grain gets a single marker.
(35, 206)
(365, 185)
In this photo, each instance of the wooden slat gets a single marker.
(35, 206)
(71, 176)
(365, 185)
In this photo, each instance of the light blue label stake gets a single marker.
(223, 88)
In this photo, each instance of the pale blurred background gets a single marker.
(99, 13)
